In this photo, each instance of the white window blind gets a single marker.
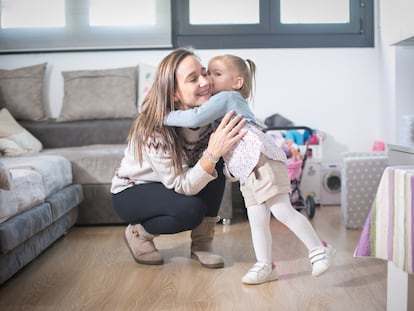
(31, 14)
(314, 11)
(118, 13)
(85, 25)
(215, 12)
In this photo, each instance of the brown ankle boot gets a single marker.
(141, 246)
(201, 244)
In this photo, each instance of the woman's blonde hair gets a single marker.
(159, 101)
(246, 69)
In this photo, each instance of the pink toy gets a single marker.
(379, 145)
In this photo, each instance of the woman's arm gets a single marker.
(196, 178)
(228, 133)
(215, 108)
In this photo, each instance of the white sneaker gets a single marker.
(260, 273)
(321, 258)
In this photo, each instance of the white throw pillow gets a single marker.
(14, 139)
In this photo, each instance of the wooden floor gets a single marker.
(91, 269)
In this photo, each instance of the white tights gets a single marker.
(282, 210)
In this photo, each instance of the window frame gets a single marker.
(271, 33)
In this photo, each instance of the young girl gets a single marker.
(260, 166)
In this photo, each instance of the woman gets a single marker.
(167, 181)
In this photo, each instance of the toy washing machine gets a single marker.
(331, 184)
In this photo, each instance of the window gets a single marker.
(84, 25)
(280, 24)
(68, 25)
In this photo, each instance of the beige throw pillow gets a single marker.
(21, 92)
(99, 94)
(14, 139)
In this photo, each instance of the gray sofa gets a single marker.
(37, 207)
(95, 149)
(56, 172)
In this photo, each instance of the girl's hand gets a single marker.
(228, 133)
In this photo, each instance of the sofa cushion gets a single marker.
(14, 139)
(18, 229)
(99, 94)
(25, 252)
(64, 200)
(21, 91)
(5, 177)
(94, 164)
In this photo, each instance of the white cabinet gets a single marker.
(397, 21)
(400, 155)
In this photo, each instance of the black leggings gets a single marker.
(162, 211)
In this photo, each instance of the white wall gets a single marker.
(396, 62)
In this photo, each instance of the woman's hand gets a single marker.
(228, 133)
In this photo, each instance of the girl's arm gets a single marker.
(215, 108)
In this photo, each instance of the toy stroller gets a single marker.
(295, 169)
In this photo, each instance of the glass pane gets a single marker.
(314, 11)
(122, 12)
(32, 14)
(219, 12)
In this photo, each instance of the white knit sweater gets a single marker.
(157, 165)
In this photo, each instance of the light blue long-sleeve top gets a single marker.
(244, 156)
(214, 109)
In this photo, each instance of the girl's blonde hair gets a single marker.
(246, 69)
(148, 127)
